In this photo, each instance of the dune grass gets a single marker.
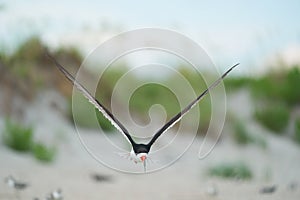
(240, 134)
(278, 87)
(297, 130)
(235, 170)
(82, 115)
(275, 96)
(43, 153)
(235, 83)
(243, 137)
(82, 111)
(290, 93)
(274, 117)
(276, 90)
(141, 100)
(104, 123)
(17, 136)
(150, 94)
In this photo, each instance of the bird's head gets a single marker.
(10, 181)
(142, 156)
(141, 152)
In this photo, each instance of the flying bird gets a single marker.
(139, 151)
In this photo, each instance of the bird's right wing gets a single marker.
(177, 117)
(106, 113)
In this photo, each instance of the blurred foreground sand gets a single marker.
(278, 165)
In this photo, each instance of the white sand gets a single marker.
(278, 165)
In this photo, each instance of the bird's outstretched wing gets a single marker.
(177, 117)
(106, 113)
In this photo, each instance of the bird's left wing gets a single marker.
(106, 113)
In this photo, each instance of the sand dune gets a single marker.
(73, 168)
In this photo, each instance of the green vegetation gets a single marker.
(84, 108)
(275, 96)
(69, 53)
(25, 62)
(20, 138)
(274, 93)
(104, 123)
(297, 130)
(29, 51)
(146, 96)
(43, 153)
(290, 93)
(141, 100)
(266, 88)
(17, 136)
(198, 84)
(274, 117)
(242, 136)
(82, 111)
(231, 171)
(232, 84)
(109, 79)
(278, 87)
(259, 141)
(27, 69)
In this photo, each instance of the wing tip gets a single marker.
(47, 54)
(229, 70)
(59, 66)
(235, 65)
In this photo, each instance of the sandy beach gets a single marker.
(73, 170)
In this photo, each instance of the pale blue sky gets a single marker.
(251, 32)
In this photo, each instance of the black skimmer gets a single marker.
(16, 185)
(13, 183)
(101, 177)
(55, 195)
(268, 189)
(139, 151)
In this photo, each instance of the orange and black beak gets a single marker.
(143, 158)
